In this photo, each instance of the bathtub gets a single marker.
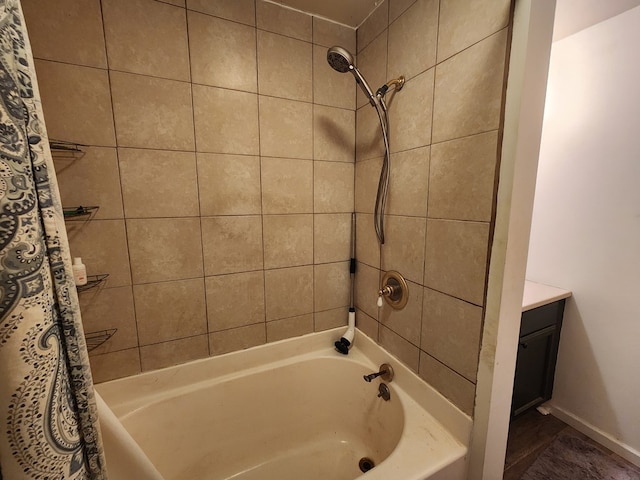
(294, 409)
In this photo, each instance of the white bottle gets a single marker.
(79, 272)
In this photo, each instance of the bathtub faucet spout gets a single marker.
(386, 372)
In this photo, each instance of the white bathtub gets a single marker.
(294, 409)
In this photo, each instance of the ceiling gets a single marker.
(571, 15)
(575, 15)
(347, 12)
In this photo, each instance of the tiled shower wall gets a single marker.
(445, 137)
(220, 149)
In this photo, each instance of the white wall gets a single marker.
(524, 108)
(586, 227)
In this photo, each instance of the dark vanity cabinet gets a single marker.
(537, 353)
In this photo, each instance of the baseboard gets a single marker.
(603, 438)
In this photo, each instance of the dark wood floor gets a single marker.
(529, 435)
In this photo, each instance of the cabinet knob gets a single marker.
(524, 344)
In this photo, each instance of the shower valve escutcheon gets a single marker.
(385, 372)
(394, 290)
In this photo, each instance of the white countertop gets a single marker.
(537, 294)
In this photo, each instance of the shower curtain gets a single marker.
(48, 417)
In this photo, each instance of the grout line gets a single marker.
(192, 83)
(124, 222)
(264, 275)
(313, 183)
(197, 163)
(426, 223)
(448, 367)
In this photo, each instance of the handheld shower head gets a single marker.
(342, 61)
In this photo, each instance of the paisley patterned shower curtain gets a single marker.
(48, 420)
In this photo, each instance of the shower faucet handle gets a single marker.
(387, 291)
(386, 372)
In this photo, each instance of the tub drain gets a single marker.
(366, 464)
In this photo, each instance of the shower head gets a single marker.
(342, 61)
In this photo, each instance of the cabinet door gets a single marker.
(535, 369)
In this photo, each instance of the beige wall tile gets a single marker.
(331, 286)
(163, 355)
(328, 319)
(333, 188)
(456, 258)
(286, 128)
(177, 3)
(102, 244)
(76, 103)
(468, 90)
(410, 113)
(334, 132)
(288, 240)
(330, 87)
(372, 63)
(92, 179)
(328, 34)
(170, 310)
(367, 325)
(284, 67)
(403, 248)
(164, 249)
(397, 8)
(288, 292)
(463, 170)
(367, 286)
(235, 300)
(68, 31)
(405, 322)
(289, 327)
(374, 25)
(367, 246)
(406, 352)
(135, 43)
(451, 331)
(229, 184)
(409, 183)
(105, 309)
(275, 18)
(158, 183)
(110, 366)
(152, 112)
(456, 388)
(369, 142)
(464, 23)
(226, 121)
(242, 11)
(367, 177)
(232, 244)
(237, 339)
(331, 237)
(287, 185)
(413, 39)
(223, 53)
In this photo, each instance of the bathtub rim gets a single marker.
(255, 359)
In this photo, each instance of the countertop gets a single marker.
(538, 294)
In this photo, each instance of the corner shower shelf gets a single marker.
(64, 149)
(92, 282)
(70, 212)
(95, 339)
